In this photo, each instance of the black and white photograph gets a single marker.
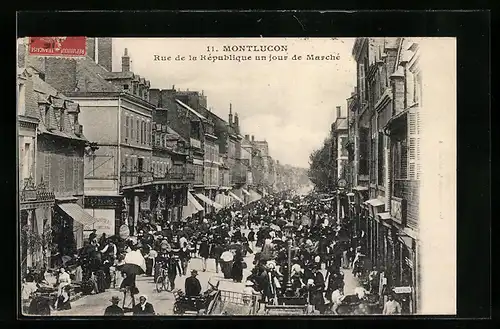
(236, 176)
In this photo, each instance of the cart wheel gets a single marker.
(160, 284)
(177, 309)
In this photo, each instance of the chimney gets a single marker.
(230, 114)
(104, 50)
(125, 61)
(173, 87)
(202, 92)
(236, 120)
(247, 137)
(339, 112)
(253, 138)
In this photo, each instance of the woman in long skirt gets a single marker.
(237, 269)
(129, 290)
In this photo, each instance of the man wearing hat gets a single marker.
(144, 307)
(192, 285)
(114, 309)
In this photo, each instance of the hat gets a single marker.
(310, 281)
(143, 296)
(194, 272)
(115, 299)
(249, 283)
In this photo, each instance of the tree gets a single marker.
(35, 242)
(322, 167)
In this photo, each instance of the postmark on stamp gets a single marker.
(57, 46)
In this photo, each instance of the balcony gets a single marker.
(129, 178)
(195, 143)
(35, 193)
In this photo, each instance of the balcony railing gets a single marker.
(176, 176)
(195, 143)
(128, 178)
(31, 192)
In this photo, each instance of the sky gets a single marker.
(289, 103)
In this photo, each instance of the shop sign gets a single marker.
(94, 202)
(402, 290)
(124, 232)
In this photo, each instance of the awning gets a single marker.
(208, 201)
(195, 202)
(254, 196)
(245, 191)
(76, 212)
(375, 202)
(384, 215)
(360, 188)
(192, 207)
(234, 196)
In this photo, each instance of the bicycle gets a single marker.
(162, 281)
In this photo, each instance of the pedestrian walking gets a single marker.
(204, 252)
(392, 306)
(184, 256)
(114, 309)
(192, 285)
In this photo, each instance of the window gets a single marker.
(361, 83)
(400, 166)
(381, 165)
(373, 161)
(21, 108)
(27, 161)
(418, 88)
(125, 87)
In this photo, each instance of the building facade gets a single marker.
(384, 143)
(52, 148)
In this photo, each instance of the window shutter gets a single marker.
(413, 145)
(127, 126)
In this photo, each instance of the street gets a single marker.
(163, 302)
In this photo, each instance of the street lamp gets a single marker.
(289, 290)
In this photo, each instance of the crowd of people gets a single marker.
(300, 253)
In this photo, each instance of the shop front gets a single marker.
(406, 284)
(108, 209)
(375, 231)
(70, 222)
(35, 210)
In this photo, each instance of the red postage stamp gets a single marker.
(58, 46)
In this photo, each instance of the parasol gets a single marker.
(131, 269)
(227, 256)
(65, 259)
(136, 258)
